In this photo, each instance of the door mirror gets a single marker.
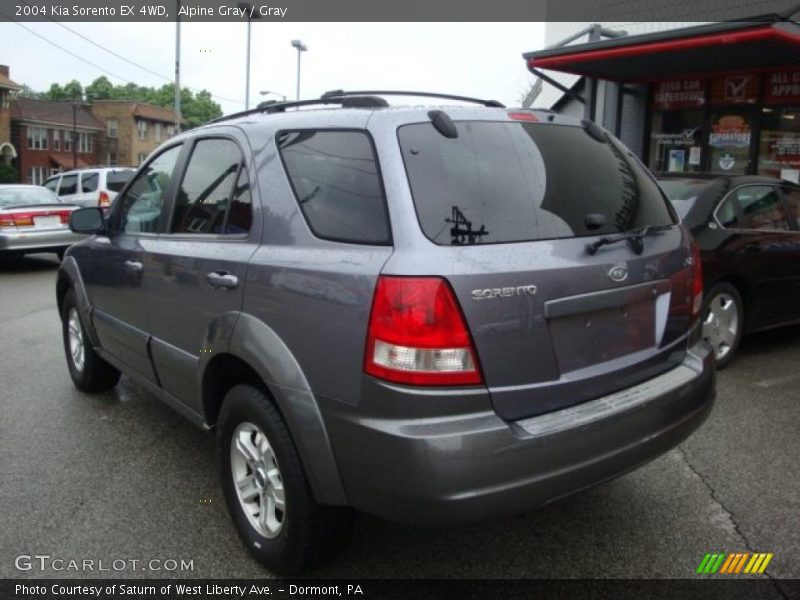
(87, 220)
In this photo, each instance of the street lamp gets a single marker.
(246, 6)
(301, 47)
(265, 92)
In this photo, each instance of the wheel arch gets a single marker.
(258, 356)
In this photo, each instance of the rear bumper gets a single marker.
(32, 240)
(471, 467)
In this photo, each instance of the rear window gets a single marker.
(15, 196)
(513, 182)
(335, 178)
(116, 180)
(682, 192)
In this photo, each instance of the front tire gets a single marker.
(266, 489)
(88, 371)
(723, 322)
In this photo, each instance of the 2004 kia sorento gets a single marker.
(428, 314)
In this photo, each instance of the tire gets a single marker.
(290, 540)
(89, 372)
(723, 322)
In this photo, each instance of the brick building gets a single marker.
(131, 130)
(42, 132)
(7, 89)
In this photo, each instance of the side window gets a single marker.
(761, 208)
(140, 207)
(89, 182)
(334, 175)
(726, 214)
(51, 184)
(207, 195)
(240, 214)
(792, 195)
(69, 185)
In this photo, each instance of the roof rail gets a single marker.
(342, 93)
(273, 106)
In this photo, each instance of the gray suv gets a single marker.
(429, 314)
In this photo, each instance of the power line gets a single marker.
(96, 66)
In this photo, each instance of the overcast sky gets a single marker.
(473, 59)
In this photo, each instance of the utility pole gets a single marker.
(301, 47)
(177, 67)
(75, 130)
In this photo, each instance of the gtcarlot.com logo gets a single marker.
(47, 562)
(734, 563)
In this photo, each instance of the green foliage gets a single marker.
(196, 108)
(8, 174)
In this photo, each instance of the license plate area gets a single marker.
(47, 222)
(594, 328)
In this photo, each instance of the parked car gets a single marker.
(749, 236)
(96, 186)
(33, 219)
(429, 314)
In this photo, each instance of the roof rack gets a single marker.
(342, 94)
(273, 106)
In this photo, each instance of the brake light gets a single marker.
(103, 200)
(26, 219)
(697, 285)
(523, 116)
(417, 334)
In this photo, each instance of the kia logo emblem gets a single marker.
(618, 273)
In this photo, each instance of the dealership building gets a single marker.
(720, 97)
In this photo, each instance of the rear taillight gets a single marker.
(103, 200)
(697, 285)
(16, 220)
(417, 334)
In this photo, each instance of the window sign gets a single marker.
(729, 143)
(779, 145)
(782, 87)
(741, 88)
(682, 93)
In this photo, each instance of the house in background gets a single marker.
(131, 130)
(7, 89)
(42, 132)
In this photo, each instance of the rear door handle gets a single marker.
(133, 266)
(222, 280)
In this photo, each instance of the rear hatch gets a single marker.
(512, 207)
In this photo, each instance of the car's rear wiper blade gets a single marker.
(634, 236)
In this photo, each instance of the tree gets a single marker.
(100, 89)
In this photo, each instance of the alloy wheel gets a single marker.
(258, 481)
(76, 344)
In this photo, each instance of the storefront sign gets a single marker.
(730, 131)
(683, 93)
(782, 87)
(779, 150)
(734, 89)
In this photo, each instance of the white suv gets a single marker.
(90, 187)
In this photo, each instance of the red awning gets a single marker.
(693, 51)
(64, 160)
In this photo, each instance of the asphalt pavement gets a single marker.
(120, 476)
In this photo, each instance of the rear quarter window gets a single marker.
(335, 178)
(501, 182)
(116, 180)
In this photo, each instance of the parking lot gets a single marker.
(121, 476)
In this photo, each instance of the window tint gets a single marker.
(140, 207)
(761, 208)
(240, 214)
(334, 175)
(507, 182)
(207, 187)
(89, 182)
(69, 185)
(726, 214)
(792, 195)
(116, 180)
(51, 184)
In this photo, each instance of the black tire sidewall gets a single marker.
(727, 288)
(288, 553)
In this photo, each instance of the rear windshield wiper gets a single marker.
(634, 236)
